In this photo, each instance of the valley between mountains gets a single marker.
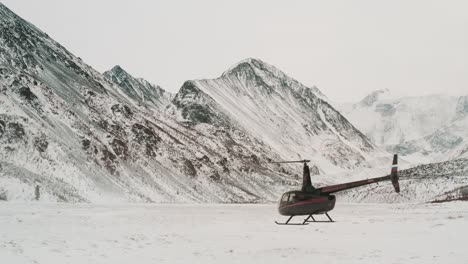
(86, 136)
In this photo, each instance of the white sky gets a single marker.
(346, 48)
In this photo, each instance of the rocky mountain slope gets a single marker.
(138, 89)
(84, 136)
(287, 116)
(81, 137)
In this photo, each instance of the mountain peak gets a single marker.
(373, 97)
(117, 71)
(138, 88)
(117, 68)
(264, 74)
(250, 65)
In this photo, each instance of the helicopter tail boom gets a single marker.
(393, 177)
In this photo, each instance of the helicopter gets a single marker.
(311, 201)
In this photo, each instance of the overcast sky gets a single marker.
(346, 48)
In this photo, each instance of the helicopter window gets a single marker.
(285, 198)
(292, 197)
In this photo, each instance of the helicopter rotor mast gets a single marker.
(306, 181)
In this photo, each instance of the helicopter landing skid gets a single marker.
(306, 221)
(291, 223)
(313, 219)
(287, 222)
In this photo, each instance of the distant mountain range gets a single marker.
(86, 136)
(422, 128)
(83, 136)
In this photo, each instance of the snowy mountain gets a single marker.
(388, 121)
(83, 136)
(66, 127)
(138, 89)
(441, 181)
(424, 129)
(449, 141)
(287, 116)
(86, 136)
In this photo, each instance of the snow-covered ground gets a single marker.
(149, 233)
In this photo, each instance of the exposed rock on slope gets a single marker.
(85, 139)
(287, 116)
(138, 89)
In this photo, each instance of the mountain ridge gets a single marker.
(84, 136)
(261, 96)
(139, 89)
(425, 129)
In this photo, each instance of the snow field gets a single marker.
(151, 233)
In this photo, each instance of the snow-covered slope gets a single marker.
(389, 121)
(85, 136)
(424, 129)
(138, 89)
(289, 117)
(449, 141)
(66, 127)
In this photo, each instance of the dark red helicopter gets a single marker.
(312, 201)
